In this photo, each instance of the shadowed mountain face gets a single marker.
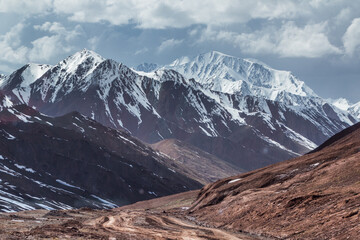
(316, 196)
(73, 161)
(241, 111)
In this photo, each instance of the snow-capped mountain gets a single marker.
(19, 82)
(72, 161)
(355, 109)
(223, 73)
(340, 103)
(240, 110)
(345, 105)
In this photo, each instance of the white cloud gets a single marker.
(47, 47)
(160, 14)
(170, 43)
(57, 28)
(351, 38)
(10, 45)
(310, 41)
(141, 51)
(5, 68)
(343, 16)
(93, 42)
(287, 41)
(25, 7)
(293, 28)
(59, 40)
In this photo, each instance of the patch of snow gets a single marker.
(24, 168)
(80, 128)
(314, 165)
(67, 184)
(172, 170)
(19, 205)
(43, 206)
(7, 102)
(127, 140)
(234, 180)
(105, 202)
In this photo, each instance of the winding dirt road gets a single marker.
(158, 225)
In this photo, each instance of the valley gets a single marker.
(315, 196)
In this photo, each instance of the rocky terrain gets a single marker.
(316, 196)
(155, 219)
(194, 162)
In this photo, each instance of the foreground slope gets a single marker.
(73, 161)
(152, 219)
(194, 162)
(316, 196)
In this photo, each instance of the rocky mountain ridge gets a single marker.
(276, 118)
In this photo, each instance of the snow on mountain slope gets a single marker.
(340, 103)
(2, 78)
(228, 74)
(108, 91)
(221, 73)
(239, 110)
(344, 105)
(355, 109)
(69, 75)
(19, 82)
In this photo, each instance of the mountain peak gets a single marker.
(340, 103)
(24, 76)
(228, 74)
(82, 56)
(86, 59)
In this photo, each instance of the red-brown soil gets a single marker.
(155, 219)
(194, 162)
(316, 196)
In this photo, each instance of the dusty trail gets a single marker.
(158, 225)
(162, 218)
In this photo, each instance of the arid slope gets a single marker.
(316, 196)
(194, 162)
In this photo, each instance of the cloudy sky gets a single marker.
(318, 40)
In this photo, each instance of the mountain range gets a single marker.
(239, 110)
